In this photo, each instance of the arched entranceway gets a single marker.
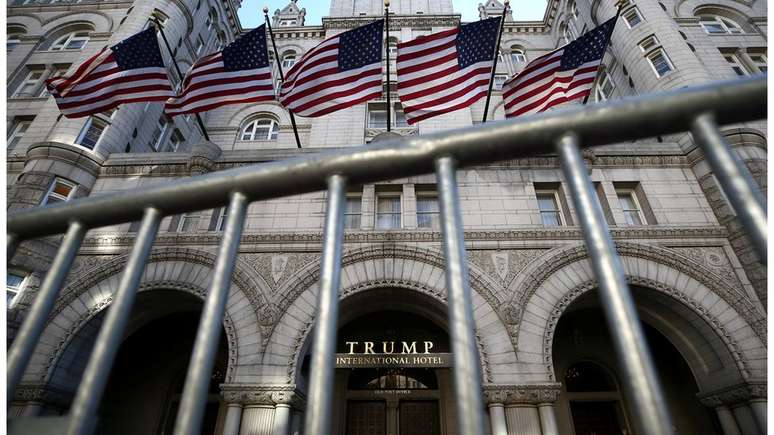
(393, 371)
(592, 400)
(146, 381)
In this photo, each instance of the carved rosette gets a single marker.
(734, 395)
(250, 394)
(531, 394)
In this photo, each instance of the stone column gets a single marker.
(727, 421)
(257, 419)
(548, 419)
(528, 408)
(259, 409)
(282, 419)
(233, 419)
(758, 407)
(497, 419)
(741, 408)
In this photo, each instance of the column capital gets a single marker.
(532, 394)
(735, 394)
(252, 394)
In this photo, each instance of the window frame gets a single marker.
(727, 25)
(735, 63)
(381, 106)
(557, 201)
(631, 192)
(61, 43)
(636, 12)
(604, 79)
(392, 195)
(654, 42)
(15, 133)
(347, 213)
(272, 135)
(186, 217)
(517, 53)
(286, 66)
(18, 290)
(36, 88)
(51, 191)
(435, 224)
(654, 53)
(85, 129)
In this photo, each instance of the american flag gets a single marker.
(562, 75)
(128, 72)
(241, 73)
(341, 72)
(446, 71)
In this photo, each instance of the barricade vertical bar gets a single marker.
(83, 412)
(30, 331)
(320, 401)
(735, 180)
(11, 243)
(467, 369)
(197, 383)
(640, 382)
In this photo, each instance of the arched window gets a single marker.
(262, 128)
(71, 41)
(715, 24)
(518, 55)
(212, 18)
(14, 36)
(288, 60)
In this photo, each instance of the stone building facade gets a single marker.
(546, 356)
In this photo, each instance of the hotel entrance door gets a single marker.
(415, 417)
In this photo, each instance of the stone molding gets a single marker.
(734, 395)
(579, 290)
(529, 394)
(228, 325)
(80, 157)
(123, 239)
(253, 394)
(734, 296)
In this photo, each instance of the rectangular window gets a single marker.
(735, 64)
(175, 140)
(428, 212)
(14, 284)
(605, 86)
(632, 17)
(660, 62)
(31, 86)
(188, 222)
(60, 191)
(352, 212)
(649, 43)
(91, 133)
(630, 206)
(157, 137)
(199, 44)
(550, 211)
(388, 210)
(17, 130)
(377, 116)
(759, 59)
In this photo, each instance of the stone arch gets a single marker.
(378, 267)
(32, 23)
(187, 270)
(738, 8)
(99, 21)
(734, 341)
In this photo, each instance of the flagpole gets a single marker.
(279, 67)
(494, 67)
(607, 44)
(387, 29)
(179, 74)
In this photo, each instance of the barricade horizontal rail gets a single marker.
(598, 124)
(699, 110)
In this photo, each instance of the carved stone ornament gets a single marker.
(252, 394)
(533, 394)
(736, 394)
(278, 265)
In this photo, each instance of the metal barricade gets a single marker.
(699, 110)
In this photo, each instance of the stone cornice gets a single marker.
(77, 156)
(532, 394)
(252, 394)
(735, 394)
(396, 21)
(549, 234)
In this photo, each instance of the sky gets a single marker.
(251, 13)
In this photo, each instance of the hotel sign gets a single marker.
(391, 354)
